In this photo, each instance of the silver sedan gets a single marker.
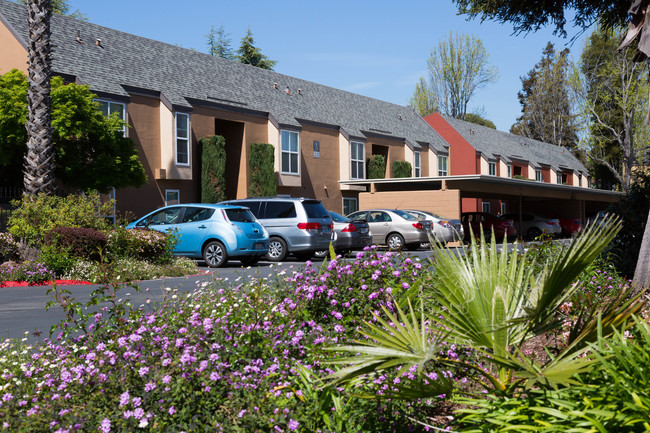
(395, 228)
(444, 229)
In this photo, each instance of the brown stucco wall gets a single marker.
(13, 55)
(424, 162)
(442, 202)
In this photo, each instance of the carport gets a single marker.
(447, 195)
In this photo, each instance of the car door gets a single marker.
(193, 229)
(166, 220)
(380, 224)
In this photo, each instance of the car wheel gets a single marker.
(395, 241)
(215, 254)
(533, 232)
(321, 254)
(277, 250)
(249, 260)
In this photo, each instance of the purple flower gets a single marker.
(293, 424)
(105, 425)
(172, 410)
(124, 398)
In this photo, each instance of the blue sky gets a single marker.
(375, 48)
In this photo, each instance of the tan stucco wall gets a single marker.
(444, 202)
(344, 157)
(432, 159)
(503, 169)
(13, 54)
(424, 162)
(485, 168)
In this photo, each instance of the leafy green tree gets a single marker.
(479, 120)
(219, 43)
(90, 150)
(423, 100)
(213, 169)
(262, 172)
(546, 106)
(249, 54)
(459, 66)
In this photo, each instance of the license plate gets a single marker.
(363, 231)
(258, 245)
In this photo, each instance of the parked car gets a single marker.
(570, 226)
(394, 228)
(348, 235)
(444, 229)
(298, 226)
(534, 224)
(213, 232)
(502, 227)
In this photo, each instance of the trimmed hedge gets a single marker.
(402, 169)
(81, 242)
(376, 167)
(213, 169)
(262, 171)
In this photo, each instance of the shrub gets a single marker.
(402, 169)
(128, 269)
(35, 216)
(213, 169)
(141, 243)
(262, 171)
(8, 247)
(376, 167)
(79, 242)
(32, 272)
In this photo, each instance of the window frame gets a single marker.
(358, 163)
(109, 111)
(492, 168)
(509, 169)
(558, 177)
(289, 152)
(349, 201)
(442, 172)
(538, 175)
(503, 208)
(417, 164)
(485, 206)
(178, 139)
(172, 191)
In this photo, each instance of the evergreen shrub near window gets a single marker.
(262, 181)
(213, 169)
(376, 167)
(402, 169)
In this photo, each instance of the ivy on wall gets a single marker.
(262, 172)
(376, 167)
(402, 169)
(213, 169)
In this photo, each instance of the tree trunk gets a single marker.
(39, 161)
(641, 279)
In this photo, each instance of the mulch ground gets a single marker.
(44, 283)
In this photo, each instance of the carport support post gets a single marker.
(521, 225)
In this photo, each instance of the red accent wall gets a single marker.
(462, 156)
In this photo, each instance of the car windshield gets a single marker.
(315, 209)
(240, 215)
(407, 216)
(338, 218)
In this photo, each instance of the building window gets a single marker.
(442, 165)
(509, 170)
(538, 175)
(182, 139)
(503, 209)
(486, 206)
(357, 160)
(108, 108)
(172, 196)
(580, 180)
(492, 168)
(559, 178)
(416, 164)
(316, 149)
(289, 157)
(350, 205)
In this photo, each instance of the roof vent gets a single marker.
(300, 92)
(98, 42)
(275, 86)
(471, 131)
(79, 37)
(288, 91)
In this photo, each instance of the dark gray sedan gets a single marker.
(348, 235)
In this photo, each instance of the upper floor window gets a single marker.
(182, 139)
(357, 160)
(108, 108)
(442, 166)
(509, 170)
(559, 178)
(486, 206)
(538, 175)
(579, 180)
(289, 158)
(492, 168)
(416, 164)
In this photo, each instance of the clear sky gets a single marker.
(375, 48)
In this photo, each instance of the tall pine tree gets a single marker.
(249, 54)
(219, 43)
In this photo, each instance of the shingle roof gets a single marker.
(182, 75)
(493, 143)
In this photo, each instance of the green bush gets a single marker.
(56, 258)
(140, 243)
(128, 269)
(79, 242)
(35, 216)
(213, 169)
(262, 171)
(376, 167)
(402, 169)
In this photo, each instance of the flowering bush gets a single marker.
(140, 243)
(32, 272)
(8, 247)
(128, 269)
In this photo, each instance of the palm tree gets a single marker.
(39, 161)
(493, 303)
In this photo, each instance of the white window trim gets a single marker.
(485, 206)
(417, 164)
(356, 162)
(109, 110)
(350, 199)
(178, 193)
(538, 175)
(290, 152)
(509, 170)
(492, 165)
(188, 139)
(444, 172)
(503, 209)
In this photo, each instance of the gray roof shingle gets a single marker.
(182, 75)
(492, 143)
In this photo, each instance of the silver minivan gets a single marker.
(298, 226)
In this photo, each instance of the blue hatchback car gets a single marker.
(213, 232)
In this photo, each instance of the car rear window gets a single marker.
(337, 218)
(315, 209)
(240, 215)
(279, 209)
(407, 216)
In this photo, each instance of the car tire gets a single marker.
(395, 241)
(250, 260)
(215, 254)
(533, 232)
(321, 254)
(277, 250)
